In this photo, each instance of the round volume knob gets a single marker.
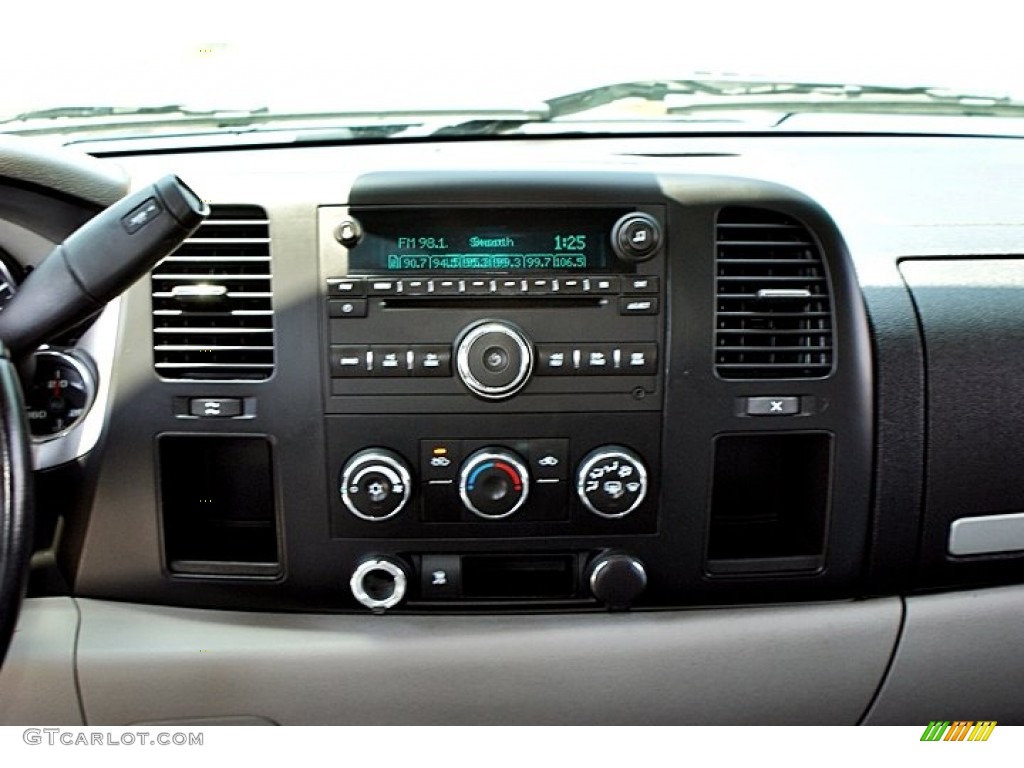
(611, 481)
(617, 579)
(494, 359)
(375, 484)
(636, 237)
(494, 483)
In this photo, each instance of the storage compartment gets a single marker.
(518, 576)
(769, 503)
(970, 316)
(217, 498)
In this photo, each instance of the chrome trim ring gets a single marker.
(88, 379)
(388, 464)
(602, 454)
(476, 386)
(488, 454)
(377, 604)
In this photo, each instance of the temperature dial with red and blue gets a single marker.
(494, 483)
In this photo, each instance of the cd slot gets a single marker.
(494, 302)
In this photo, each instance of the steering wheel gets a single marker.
(94, 264)
(16, 510)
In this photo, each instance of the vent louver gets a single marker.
(773, 317)
(212, 300)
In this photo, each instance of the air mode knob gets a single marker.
(494, 483)
(375, 484)
(611, 481)
(494, 359)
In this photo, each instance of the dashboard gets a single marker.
(628, 430)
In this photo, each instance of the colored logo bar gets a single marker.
(959, 730)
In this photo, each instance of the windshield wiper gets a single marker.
(179, 120)
(693, 96)
(725, 100)
(79, 112)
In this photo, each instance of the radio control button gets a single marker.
(572, 286)
(638, 306)
(597, 361)
(341, 308)
(431, 360)
(415, 287)
(641, 285)
(447, 287)
(554, 360)
(604, 285)
(494, 360)
(510, 287)
(389, 360)
(539, 286)
(349, 361)
(346, 287)
(636, 237)
(349, 233)
(479, 287)
(384, 287)
(639, 359)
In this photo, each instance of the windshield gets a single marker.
(378, 70)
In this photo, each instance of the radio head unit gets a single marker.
(432, 309)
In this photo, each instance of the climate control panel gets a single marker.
(567, 474)
(493, 482)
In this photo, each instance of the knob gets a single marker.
(494, 359)
(349, 233)
(611, 481)
(379, 583)
(494, 483)
(375, 484)
(617, 579)
(636, 237)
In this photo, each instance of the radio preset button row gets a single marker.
(604, 285)
(390, 360)
(597, 360)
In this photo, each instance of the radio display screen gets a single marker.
(478, 240)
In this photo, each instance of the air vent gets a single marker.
(212, 302)
(773, 316)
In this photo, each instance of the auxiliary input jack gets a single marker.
(379, 584)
